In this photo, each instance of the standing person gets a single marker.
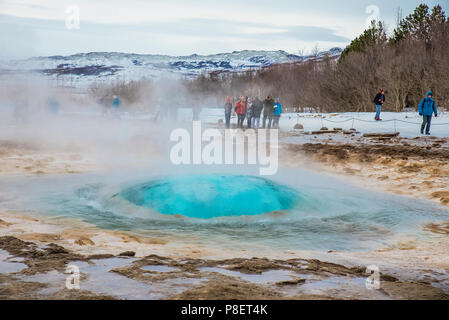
(249, 111)
(116, 102)
(268, 105)
(228, 112)
(277, 113)
(240, 109)
(256, 110)
(196, 112)
(114, 110)
(196, 109)
(379, 100)
(426, 109)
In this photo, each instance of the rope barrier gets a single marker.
(353, 119)
(336, 121)
(382, 121)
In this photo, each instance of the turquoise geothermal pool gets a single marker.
(295, 210)
(209, 196)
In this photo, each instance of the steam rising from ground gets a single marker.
(38, 113)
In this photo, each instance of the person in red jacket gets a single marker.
(240, 109)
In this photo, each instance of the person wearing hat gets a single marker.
(240, 109)
(268, 108)
(116, 102)
(249, 111)
(256, 110)
(426, 109)
(277, 113)
(228, 112)
(379, 100)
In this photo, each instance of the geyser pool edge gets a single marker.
(211, 196)
(329, 214)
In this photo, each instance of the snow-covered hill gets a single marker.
(85, 68)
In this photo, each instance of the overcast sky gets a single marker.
(36, 28)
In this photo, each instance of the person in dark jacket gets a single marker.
(379, 100)
(256, 110)
(228, 112)
(248, 111)
(196, 110)
(426, 109)
(268, 108)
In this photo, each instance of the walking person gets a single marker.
(228, 112)
(249, 111)
(240, 109)
(277, 113)
(268, 106)
(379, 100)
(256, 110)
(426, 109)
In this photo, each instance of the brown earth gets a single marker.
(414, 167)
(36, 158)
(41, 259)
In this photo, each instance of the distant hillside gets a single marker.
(84, 68)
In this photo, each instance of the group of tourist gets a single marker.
(252, 109)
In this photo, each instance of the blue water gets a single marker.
(295, 210)
(209, 196)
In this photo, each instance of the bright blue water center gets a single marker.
(208, 196)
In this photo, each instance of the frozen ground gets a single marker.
(407, 123)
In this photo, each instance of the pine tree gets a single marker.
(420, 24)
(375, 35)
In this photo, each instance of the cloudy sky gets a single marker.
(182, 27)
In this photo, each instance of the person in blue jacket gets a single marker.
(116, 102)
(277, 111)
(426, 109)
